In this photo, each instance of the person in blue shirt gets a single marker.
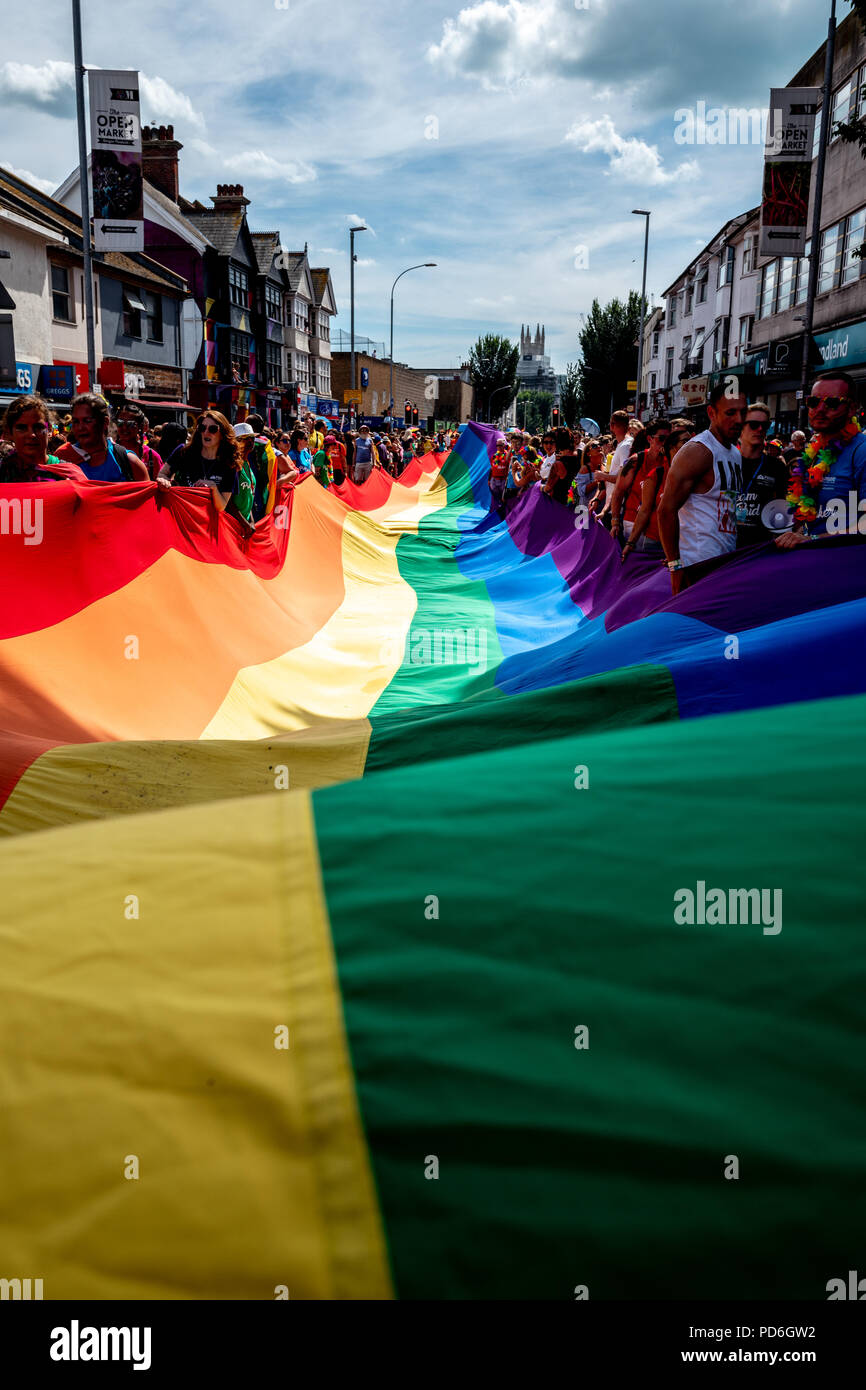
(363, 455)
(837, 503)
(298, 451)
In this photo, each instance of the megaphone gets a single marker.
(778, 516)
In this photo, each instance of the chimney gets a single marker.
(229, 197)
(159, 151)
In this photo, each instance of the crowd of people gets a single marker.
(243, 466)
(684, 496)
(662, 488)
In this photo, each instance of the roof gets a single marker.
(267, 245)
(173, 209)
(320, 278)
(22, 197)
(295, 261)
(222, 228)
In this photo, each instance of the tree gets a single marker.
(569, 396)
(533, 410)
(493, 372)
(608, 348)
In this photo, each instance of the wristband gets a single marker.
(675, 565)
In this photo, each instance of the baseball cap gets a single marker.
(244, 431)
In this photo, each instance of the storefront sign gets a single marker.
(57, 383)
(115, 142)
(82, 374)
(694, 390)
(25, 379)
(111, 373)
(842, 347)
(787, 170)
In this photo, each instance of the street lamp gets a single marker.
(425, 265)
(641, 212)
(352, 231)
(496, 393)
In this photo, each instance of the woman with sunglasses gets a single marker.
(26, 428)
(765, 477)
(644, 537)
(212, 460)
(299, 451)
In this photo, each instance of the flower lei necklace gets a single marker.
(818, 458)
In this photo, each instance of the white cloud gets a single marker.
(161, 102)
(49, 86)
(44, 185)
(257, 164)
(365, 260)
(633, 159)
(507, 43)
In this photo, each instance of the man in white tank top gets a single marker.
(697, 511)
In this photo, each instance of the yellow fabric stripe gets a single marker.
(151, 1038)
(344, 668)
(88, 781)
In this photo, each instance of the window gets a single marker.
(726, 266)
(134, 309)
(672, 312)
(745, 335)
(803, 275)
(686, 352)
(690, 294)
(721, 339)
(702, 280)
(787, 283)
(324, 328)
(855, 235)
(273, 304)
(841, 107)
(154, 317)
(273, 364)
(748, 254)
(816, 138)
(830, 259)
(858, 103)
(656, 336)
(767, 295)
(300, 315)
(61, 294)
(240, 355)
(669, 367)
(238, 287)
(652, 385)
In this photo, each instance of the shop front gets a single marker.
(236, 402)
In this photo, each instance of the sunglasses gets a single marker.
(210, 429)
(758, 424)
(834, 402)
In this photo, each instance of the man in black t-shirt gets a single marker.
(765, 476)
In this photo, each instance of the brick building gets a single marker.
(438, 396)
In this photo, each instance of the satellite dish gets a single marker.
(778, 516)
(191, 334)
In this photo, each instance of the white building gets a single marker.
(533, 370)
(706, 324)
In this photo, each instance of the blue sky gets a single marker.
(507, 140)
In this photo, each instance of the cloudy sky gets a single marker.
(508, 141)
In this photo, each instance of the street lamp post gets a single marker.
(424, 265)
(809, 311)
(85, 194)
(496, 393)
(641, 212)
(352, 231)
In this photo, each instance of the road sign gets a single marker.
(356, 396)
(631, 386)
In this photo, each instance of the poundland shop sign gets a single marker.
(843, 346)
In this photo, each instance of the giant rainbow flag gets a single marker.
(340, 953)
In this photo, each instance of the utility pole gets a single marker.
(352, 231)
(641, 212)
(85, 192)
(809, 315)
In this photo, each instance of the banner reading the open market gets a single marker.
(788, 170)
(115, 143)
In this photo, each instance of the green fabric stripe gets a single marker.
(634, 695)
(604, 1167)
(447, 602)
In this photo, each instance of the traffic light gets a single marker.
(414, 415)
(555, 416)
(407, 412)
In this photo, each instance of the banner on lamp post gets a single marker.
(788, 170)
(115, 160)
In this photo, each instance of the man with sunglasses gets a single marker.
(831, 478)
(764, 477)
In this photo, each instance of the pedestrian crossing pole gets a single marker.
(85, 193)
